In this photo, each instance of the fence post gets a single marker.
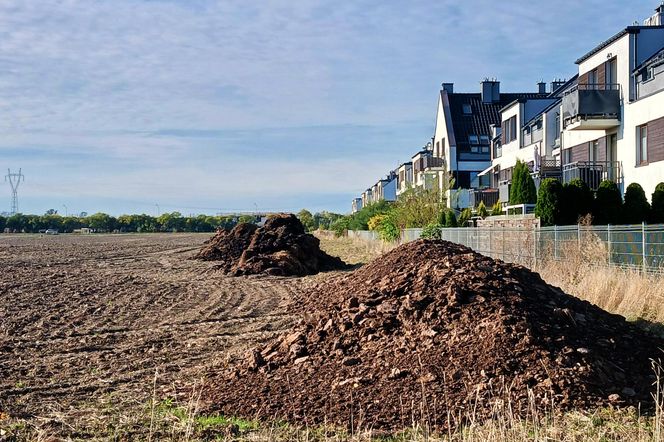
(644, 248)
(503, 241)
(578, 235)
(608, 242)
(534, 247)
(555, 241)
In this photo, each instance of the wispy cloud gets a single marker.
(309, 98)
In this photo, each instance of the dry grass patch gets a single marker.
(352, 250)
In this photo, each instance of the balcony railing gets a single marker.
(550, 168)
(489, 196)
(593, 172)
(592, 106)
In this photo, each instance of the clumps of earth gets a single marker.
(281, 247)
(433, 333)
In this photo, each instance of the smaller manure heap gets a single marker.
(281, 247)
(433, 333)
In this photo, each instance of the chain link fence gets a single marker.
(638, 247)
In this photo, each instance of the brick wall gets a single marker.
(527, 221)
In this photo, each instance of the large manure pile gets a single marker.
(280, 247)
(434, 333)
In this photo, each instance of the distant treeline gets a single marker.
(101, 222)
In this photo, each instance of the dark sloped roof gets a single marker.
(602, 45)
(483, 114)
(563, 87)
(545, 110)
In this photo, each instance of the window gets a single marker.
(474, 180)
(473, 139)
(510, 129)
(594, 150)
(475, 149)
(611, 72)
(567, 156)
(484, 139)
(646, 75)
(485, 149)
(593, 78)
(642, 145)
(513, 128)
(467, 110)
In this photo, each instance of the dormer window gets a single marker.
(467, 109)
(473, 139)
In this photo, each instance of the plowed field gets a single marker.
(93, 327)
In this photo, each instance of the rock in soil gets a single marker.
(433, 333)
(280, 248)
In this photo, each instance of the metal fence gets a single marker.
(638, 247)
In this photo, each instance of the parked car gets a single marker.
(51, 232)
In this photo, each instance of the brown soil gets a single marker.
(281, 247)
(432, 333)
(86, 322)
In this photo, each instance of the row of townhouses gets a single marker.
(606, 122)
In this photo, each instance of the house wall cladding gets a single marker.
(579, 153)
(656, 140)
(601, 150)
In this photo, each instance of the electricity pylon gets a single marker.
(14, 180)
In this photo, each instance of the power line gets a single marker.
(14, 180)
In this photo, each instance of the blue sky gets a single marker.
(208, 106)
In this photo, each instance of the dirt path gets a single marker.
(86, 321)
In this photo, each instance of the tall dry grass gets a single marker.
(583, 273)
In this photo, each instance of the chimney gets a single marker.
(555, 84)
(541, 87)
(658, 18)
(448, 87)
(490, 91)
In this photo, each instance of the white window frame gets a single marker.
(641, 149)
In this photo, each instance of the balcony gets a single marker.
(592, 107)
(488, 196)
(593, 172)
(550, 168)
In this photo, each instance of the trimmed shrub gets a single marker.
(607, 207)
(577, 201)
(548, 204)
(481, 210)
(658, 204)
(432, 231)
(465, 216)
(451, 219)
(637, 209)
(523, 189)
(497, 209)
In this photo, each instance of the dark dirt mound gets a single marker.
(434, 333)
(280, 247)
